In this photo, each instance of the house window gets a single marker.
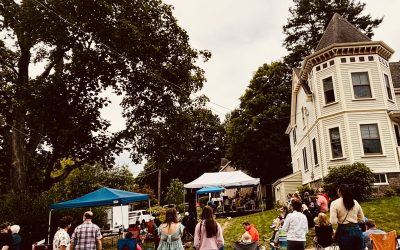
(314, 146)
(388, 89)
(294, 136)
(380, 179)
(361, 86)
(328, 90)
(370, 58)
(370, 139)
(303, 116)
(352, 59)
(305, 159)
(336, 145)
(397, 132)
(361, 59)
(343, 60)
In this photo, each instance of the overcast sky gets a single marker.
(242, 35)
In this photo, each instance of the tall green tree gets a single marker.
(309, 18)
(56, 59)
(185, 146)
(256, 138)
(174, 193)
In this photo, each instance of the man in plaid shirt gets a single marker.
(87, 235)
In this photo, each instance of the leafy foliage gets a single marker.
(255, 140)
(174, 194)
(79, 49)
(357, 175)
(31, 211)
(184, 146)
(309, 19)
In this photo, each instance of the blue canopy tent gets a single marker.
(102, 197)
(207, 190)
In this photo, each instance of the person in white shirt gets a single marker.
(61, 239)
(296, 227)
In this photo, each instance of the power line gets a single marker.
(173, 85)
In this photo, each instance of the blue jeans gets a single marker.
(349, 237)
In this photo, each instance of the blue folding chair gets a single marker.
(127, 244)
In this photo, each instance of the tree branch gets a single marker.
(59, 55)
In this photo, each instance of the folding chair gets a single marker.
(385, 241)
(318, 246)
(246, 246)
(127, 244)
(282, 238)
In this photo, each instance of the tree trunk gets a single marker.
(18, 171)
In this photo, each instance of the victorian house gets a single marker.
(345, 107)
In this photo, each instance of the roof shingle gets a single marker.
(339, 30)
(395, 72)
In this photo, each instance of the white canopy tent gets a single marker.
(233, 179)
(224, 179)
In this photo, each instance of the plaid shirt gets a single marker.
(85, 236)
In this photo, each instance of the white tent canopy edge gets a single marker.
(224, 179)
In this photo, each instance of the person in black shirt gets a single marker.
(5, 237)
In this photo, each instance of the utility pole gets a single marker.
(159, 187)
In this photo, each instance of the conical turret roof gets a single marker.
(339, 30)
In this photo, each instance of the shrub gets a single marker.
(390, 192)
(305, 188)
(357, 175)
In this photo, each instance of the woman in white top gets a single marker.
(346, 212)
(296, 226)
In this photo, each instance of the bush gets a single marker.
(390, 192)
(356, 175)
(305, 188)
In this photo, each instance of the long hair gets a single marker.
(170, 216)
(210, 224)
(323, 220)
(347, 196)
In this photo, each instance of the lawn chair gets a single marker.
(246, 246)
(384, 241)
(127, 244)
(333, 246)
(282, 239)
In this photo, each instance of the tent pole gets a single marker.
(261, 198)
(149, 207)
(48, 235)
(184, 210)
(122, 218)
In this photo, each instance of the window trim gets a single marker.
(388, 87)
(305, 160)
(315, 151)
(397, 135)
(330, 143)
(333, 88)
(354, 98)
(377, 123)
(381, 183)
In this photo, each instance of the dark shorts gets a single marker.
(295, 245)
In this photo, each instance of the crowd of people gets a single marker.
(9, 236)
(293, 222)
(302, 213)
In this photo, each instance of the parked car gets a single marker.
(139, 215)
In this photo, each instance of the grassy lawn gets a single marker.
(385, 212)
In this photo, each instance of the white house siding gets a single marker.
(391, 104)
(326, 124)
(387, 162)
(286, 185)
(332, 108)
(378, 93)
(397, 99)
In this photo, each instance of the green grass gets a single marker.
(385, 211)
